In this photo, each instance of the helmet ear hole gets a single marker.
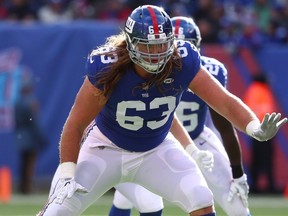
(149, 26)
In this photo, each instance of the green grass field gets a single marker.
(29, 205)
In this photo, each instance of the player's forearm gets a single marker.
(238, 113)
(85, 108)
(233, 149)
(229, 137)
(69, 143)
(222, 101)
(179, 132)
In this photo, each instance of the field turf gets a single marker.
(22, 205)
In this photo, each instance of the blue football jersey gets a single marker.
(138, 119)
(192, 110)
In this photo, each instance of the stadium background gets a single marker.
(55, 54)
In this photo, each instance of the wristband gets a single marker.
(191, 148)
(67, 169)
(237, 171)
(251, 126)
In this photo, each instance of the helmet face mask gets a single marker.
(149, 37)
(185, 29)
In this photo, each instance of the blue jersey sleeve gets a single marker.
(91, 68)
(97, 62)
(190, 60)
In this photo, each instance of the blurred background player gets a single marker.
(29, 137)
(227, 180)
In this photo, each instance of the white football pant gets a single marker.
(166, 170)
(219, 181)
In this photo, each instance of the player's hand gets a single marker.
(65, 189)
(268, 127)
(204, 159)
(239, 187)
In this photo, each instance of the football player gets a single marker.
(133, 85)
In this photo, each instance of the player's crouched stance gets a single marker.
(62, 202)
(133, 96)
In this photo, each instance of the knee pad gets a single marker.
(202, 197)
(121, 201)
(143, 200)
(153, 204)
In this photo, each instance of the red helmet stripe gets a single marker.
(177, 26)
(154, 19)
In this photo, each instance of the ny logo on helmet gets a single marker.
(129, 25)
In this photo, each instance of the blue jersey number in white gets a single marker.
(105, 59)
(190, 121)
(211, 67)
(136, 122)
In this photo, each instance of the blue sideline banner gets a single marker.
(55, 55)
